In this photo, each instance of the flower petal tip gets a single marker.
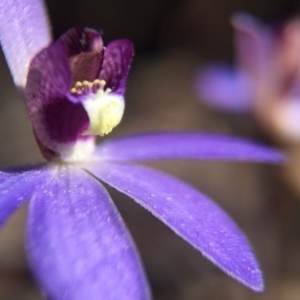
(277, 157)
(259, 288)
(243, 20)
(254, 281)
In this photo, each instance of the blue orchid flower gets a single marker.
(77, 244)
(265, 80)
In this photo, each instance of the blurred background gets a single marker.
(172, 40)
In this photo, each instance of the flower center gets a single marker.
(104, 108)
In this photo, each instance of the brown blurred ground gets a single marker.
(172, 39)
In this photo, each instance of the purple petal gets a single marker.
(116, 63)
(185, 146)
(49, 75)
(224, 88)
(254, 44)
(24, 31)
(190, 214)
(78, 245)
(54, 117)
(65, 121)
(18, 185)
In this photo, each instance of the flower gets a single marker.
(77, 244)
(264, 82)
(75, 90)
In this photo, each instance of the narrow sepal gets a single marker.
(172, 145)
(191, 215)
(24, 31)
(77, 244)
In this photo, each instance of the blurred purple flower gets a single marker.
(266, 79)
(77, 244)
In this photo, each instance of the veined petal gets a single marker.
(116, 63)
(191, 215)
(174, 145)
(24, 31)
(49, 77)
(57, 121)
(18, 185)
(78, 245)
(222, 87)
